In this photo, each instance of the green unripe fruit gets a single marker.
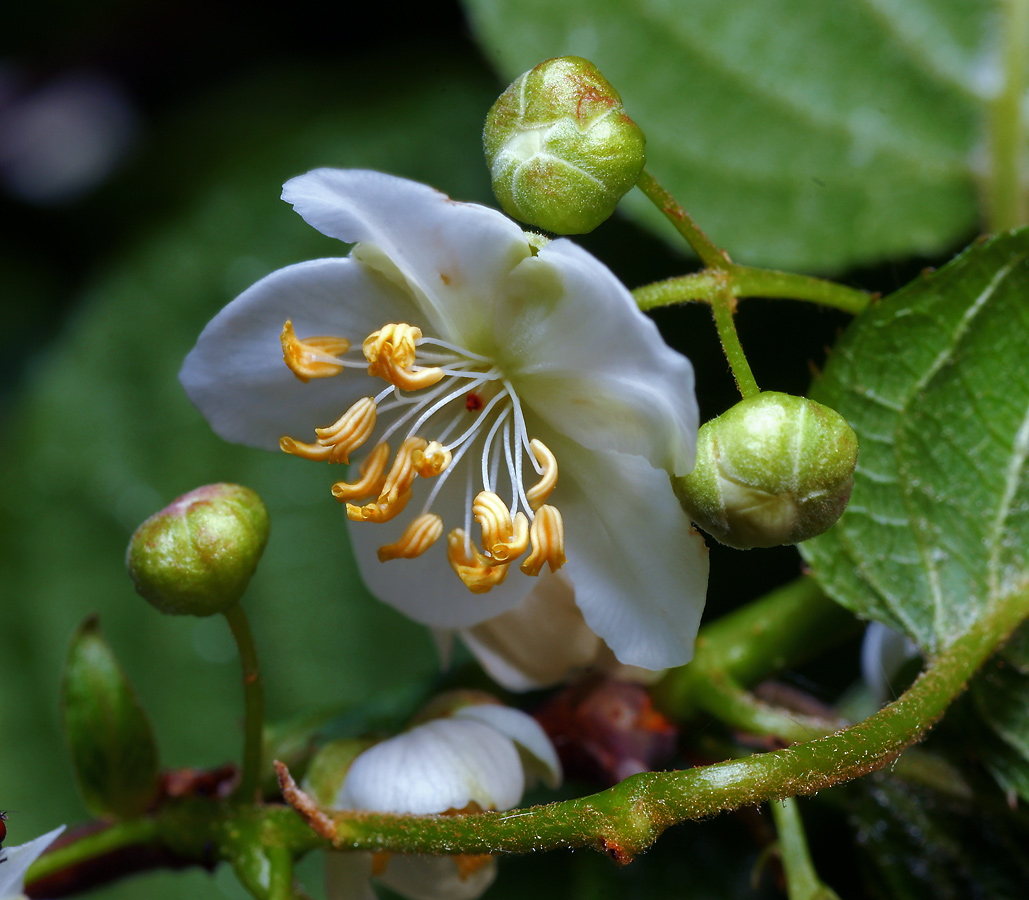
(195, 557)
(774, 469)
(560, 148)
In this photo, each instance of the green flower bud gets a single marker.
(560, 148)
(113, 751)
(774, 469)
(195, 557)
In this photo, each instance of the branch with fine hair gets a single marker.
(628, 818)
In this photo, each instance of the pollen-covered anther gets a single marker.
(547, 536)
(418, 537)
(390, 352)
(373, 477)
(538, 493)
(313, 357)
(432, 460)
(505, 538)
(478, 572)
(396, 487)
(378, 511)
(336, 442)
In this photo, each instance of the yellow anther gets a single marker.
(390, 352)
(514, 546)
(418, 537)
(402, 473)
(502, 537)
(432, 460)
(538, 493)
(377, 511)
(547, 536)
(336, 442)
(479, 573)
(373, 477)
(313, 357)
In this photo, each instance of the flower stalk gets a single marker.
(744, 281)
(1006, 190)
(253, 699)
(802, 881)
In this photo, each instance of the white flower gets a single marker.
(476, 759)
(15, 862)
(487, 359)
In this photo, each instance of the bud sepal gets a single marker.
(196, 556)
(775, 469)
(560, 148)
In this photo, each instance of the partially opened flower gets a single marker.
(495, 379)
(480, 757)
(15, 862)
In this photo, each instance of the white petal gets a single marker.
(541, 642)
(436, 878)
(639, 568)
(452, 253)
(883, 654)
(235, 374)
(443, 764)
(348, 876)
(17, 861)
(592, 365)
(538, 754)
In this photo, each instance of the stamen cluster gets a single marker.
(425, 386)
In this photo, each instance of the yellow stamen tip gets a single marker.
(378, 511)
(537, 495)
(479, 573)
(313, 357)
(432, 460)
(421, 534)
(547, 536)
(390, 352)
(372, 478)
(339, 440)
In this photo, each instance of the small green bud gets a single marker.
(195, 557)
(774, 469)
(113, 751)
(560, 148)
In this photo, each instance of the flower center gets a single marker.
(448, 402)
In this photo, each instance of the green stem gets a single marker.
(1006, 201)
(781, 629)
(627, 818)
(280, 879)
(802, 881)
(253, 697)
(110, 840)
(743, 281)
(724, 308)
(712, 256)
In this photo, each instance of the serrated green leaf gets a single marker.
(799, 134)
(112, 746)
(933, 380)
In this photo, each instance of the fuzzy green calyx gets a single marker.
(560, 148)
(774, 469)
(196, 556)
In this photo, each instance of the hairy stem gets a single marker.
(712, 256)
(724, 308)
(743, 281)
